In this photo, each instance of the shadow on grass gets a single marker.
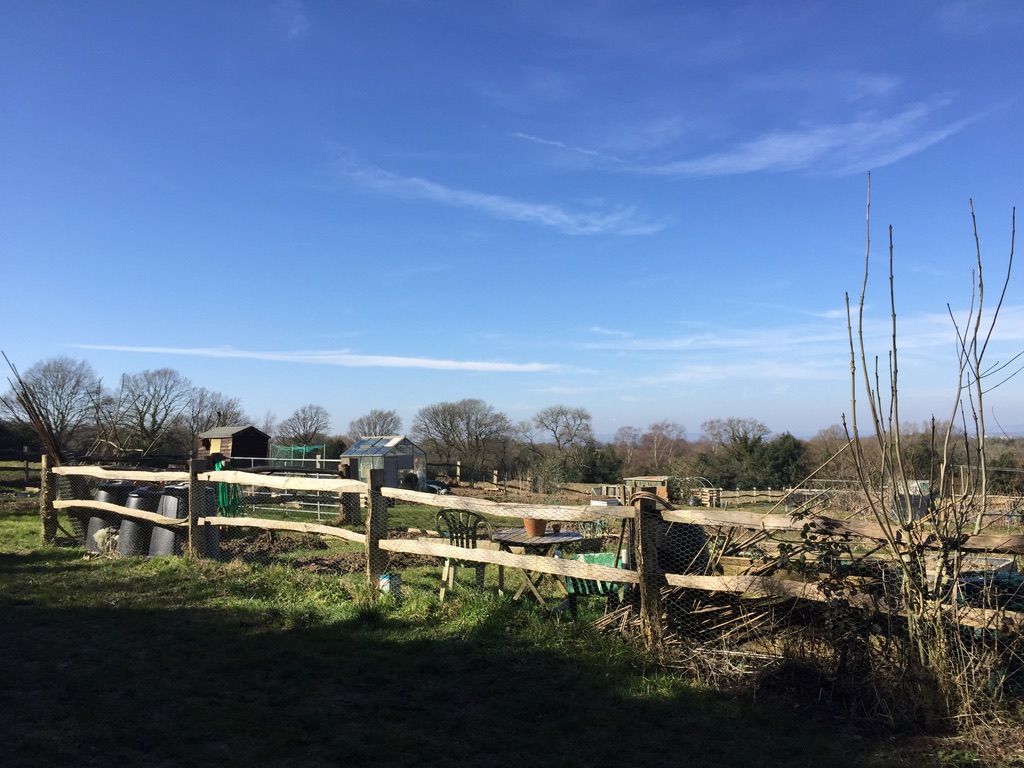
(204, 686)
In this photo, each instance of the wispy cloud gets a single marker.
(971, 18)
(851, 147)
(813, 350)
(562, 145)
(752, 370)
(342, 358)
(291, 15)
(822, 84)
(618, 221)
(609, 332)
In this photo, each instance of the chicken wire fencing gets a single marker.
(713, 615)
(745, 609)
(104, 533)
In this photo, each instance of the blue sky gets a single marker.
(650, 210)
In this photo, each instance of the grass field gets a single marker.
(170, 662)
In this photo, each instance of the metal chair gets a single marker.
(462, 529)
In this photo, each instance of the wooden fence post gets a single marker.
(24, 451)
(196, 506)
(651, 577)
(376, 529)
(47, 493)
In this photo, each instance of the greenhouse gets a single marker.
(404, 463)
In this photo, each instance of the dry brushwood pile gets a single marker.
(824, 591)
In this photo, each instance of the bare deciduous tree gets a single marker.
(663, 437)
(929, 588)
(63, 391)
(376, 422)
(627, 441)
(734, 431)
(567, 426)
(269, 423)
(468, 430)
(141, 416)
(212, 409)
(307, 426)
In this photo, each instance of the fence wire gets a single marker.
(103, 533)
(715, 630)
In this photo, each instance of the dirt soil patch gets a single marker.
(263, 545)
(355, 562)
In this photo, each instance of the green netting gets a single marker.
(297, 451)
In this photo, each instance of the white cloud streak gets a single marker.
(562, 145)
(807, 352)
(870, 141)
(292, 16)
(619, 221)
(842, 148)
(342, 358)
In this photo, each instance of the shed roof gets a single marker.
(379, 445)
(230, 431)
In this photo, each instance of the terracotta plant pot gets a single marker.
(534, 526)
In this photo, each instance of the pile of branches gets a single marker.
(37, 417)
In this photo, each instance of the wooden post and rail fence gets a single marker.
(643, 519)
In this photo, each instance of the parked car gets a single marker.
(435, 486)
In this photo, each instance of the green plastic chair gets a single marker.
(576, 587)
(462, 529)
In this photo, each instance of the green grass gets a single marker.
(171, 662)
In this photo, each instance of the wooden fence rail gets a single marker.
(138, 475)
(557, 513)
(1001, 543)
(116, 509)
(647, 575)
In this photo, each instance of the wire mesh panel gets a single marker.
(268, 539)
(104, 532)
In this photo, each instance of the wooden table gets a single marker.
(532, 545)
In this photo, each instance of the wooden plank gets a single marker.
(753, 520)
(536, 563)
(982, 542)
(123, 474)
(1004, 543)
(133, 514)
(285, 525)
(285, 482)
(767, 586)
(565, 514)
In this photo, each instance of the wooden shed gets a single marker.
(239, 440)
